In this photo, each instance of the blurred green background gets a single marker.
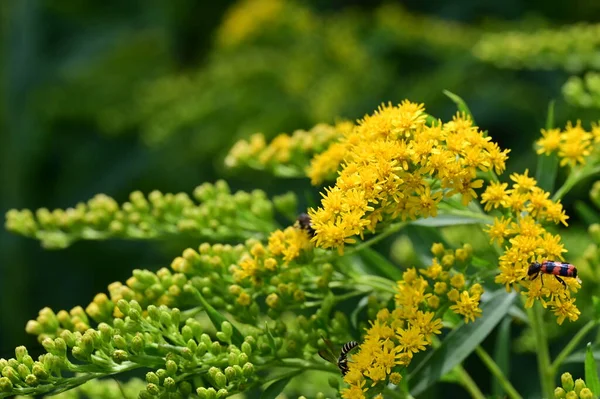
(117, 96)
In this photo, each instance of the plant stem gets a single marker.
(495, 370)
(391, 229)
(376, 282)
(573, 179)
(572, 344)
(468, 383)
(543, 355)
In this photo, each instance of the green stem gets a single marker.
(573, 179)
(468, 383)
(376, 282)
(496, 372)
(543, 355)
(572, 344)
(391, 229)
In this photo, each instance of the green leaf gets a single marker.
(450, 220)
(460, 104)
(550, 116)
(380, 264)
(586, 213)
(579, 356)
(502, 355)
(591, 371)
(547, 165)
(596, 303)
(459, 343)
(279, 385)
(215, 317)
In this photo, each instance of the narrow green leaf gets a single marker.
(460, 104)
(596, 304)
(277, 387)
(380, 264)
(459, 343)
(502, 355)
(586, 213)
(550, 116)
(591, 371)
(217, 318)
(547, 165)
(449, 220)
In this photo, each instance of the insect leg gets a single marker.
(560, 280)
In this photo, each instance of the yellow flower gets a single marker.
(458, 280)
(549, 142)
(411, 340)
(565, 309)
(498, 231)
(523, 183)
(495, 195)
(467, 306)
(575, 145)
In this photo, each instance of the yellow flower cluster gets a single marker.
(396, 166)
(527, 207)
(285, 150)
(570, 389)
(394, 337)
(574, 144)
(284, 246)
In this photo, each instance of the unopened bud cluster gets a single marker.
(287, 155)
(572, 48)
(583, 91)
(217, 215)
(570, 389)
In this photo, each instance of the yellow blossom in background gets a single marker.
(573, 144)
(392, 165)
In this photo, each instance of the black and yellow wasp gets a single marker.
(342, 360)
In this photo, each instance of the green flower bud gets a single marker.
(20, 352)
(39, 371)
(205, 339)
(153, 389)
(60, 346)
(80, 354)
(120, 356)
(187, 333)
(10, 373)
(49, 345)
(106, 332)
(28, 361)
(227, 328)
(230, 373)
(152, 378)
(222, 393)
(220, 380)
(33, 328)
(123, 306)
(23, 370)
(559, 393)
(162, 374)
(5, 385)
(171, 367)
(153, 313)
(242, 359)
(572, 395)
(233, 358)
(215, 348)
(119, 342)
(192, 345)
(134, 315)
(579, 385)
(176, 317)
(201, 350)
(137, 344)
(185, 389)
(211, 393)
(221, 336)
(165, 319)
(31, 380)
(586, 393)
(187, 353)
(567, 382)
(248, 370)
(202, 393)
(118, 324)
(246, 348)
(13, 363)
(170, 384)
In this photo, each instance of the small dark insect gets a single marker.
(342, 360)
(305, 224)
(554, 268)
